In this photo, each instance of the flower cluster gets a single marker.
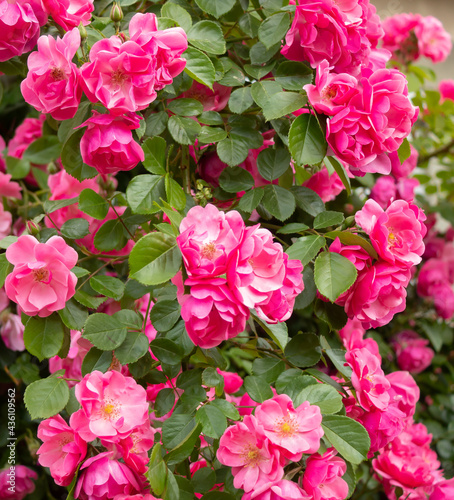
(412, 352)
(232, 268)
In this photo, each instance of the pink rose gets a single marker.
(212, 100)
(368, 379)
(434, 41)
(434, 282)
(27, 132)
(9, 188)
(23, 478)
(108, 145)
(399, 36)
(103, 477)
(381, 99)
(135, 447)
(323, 476)
(404, 169)
(397, 233)
(253, 459)
(404, 391)
(19, 29)
(62, 449)
(112, 406)
(52, 84)
(6, 220)
(69, 13)
(293, 431)
(12, 332)
(412, 352)
(446, 89)
(325, 185)
(41, 281)
(384, 191)
(232, 381)
(278, 490)
(443, 490)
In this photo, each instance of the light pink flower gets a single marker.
(397, 233)
(404, 169)
(325, 185)
(212, 100)
(399, 36)
(208, 237)
(404, 391)
(443, 490)
(9, 188)
(52, 84)
(62, 449)
(253, 459)
(23, 478)
(376, 121)
(434, 41)
(103, 477)
(41, 281)
(278, 490)
(69, 13)
(323, 476)
(19, 29)
(108, 145)
(412, 352)
(384, 191)
(294, 430)
(6, 219)
(165, 46)
(12, 332)
(446, 89)
(112, 406)
(368, 379)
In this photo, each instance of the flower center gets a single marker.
(328, 93)
(118, 77)
(252, 456)
(286, 427)
(41, 275)
(208, 250)
(110, 409)
(58, 74)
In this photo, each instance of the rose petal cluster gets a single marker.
(231, 268)
(23, 479)
(41, 281)
(412, 352)
(69, 13)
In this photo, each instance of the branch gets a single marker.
(437, 152)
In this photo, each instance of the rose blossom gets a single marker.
(9, 188)
(232, 381)
(69, 13)
(253, 459)
(6, 218)
(103, 477)
(112, 406)
(278, 490)
(41, 281)
(212, 100)
(397, 233)
(400, 38)
(403, 169)
(384, 191)
(443, 490)
(446, 89)
(62, 449)
(12, 332)
(412, 352)
(108, 145)
(323, 476)
(325, 185)
(293, 430)
(52, 84)
(404, 391)
(433, 282)
(27, 132)
(23, 482)
(433, 40)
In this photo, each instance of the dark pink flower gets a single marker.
(446, 89)
(404, 169)
(212, 100)
(384, 191)
(9, 188)
(326, 185)
(23, 478)
(400, 38)
(232, 381)
(443, 490)
(404, 391)
(412, 352)
(434, 41)
(12, 332)
(277, 490)
(69, 13)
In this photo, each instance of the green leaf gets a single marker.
(17, 168)
(332, 314)
(43, 337)
(337, 356)
(243, 132)
(213, 421)
(203, 479)
(154, 259)
(66, 127)
(88, 300)
(307, 142)
(259, 54)
(228, 409)
(52, 205)
(278, 332)
(156, 123)
(73, 316)
(133, 348)
(263, 92)
(284, 103)
(207, 36)
(71, 158)
(181, 452)
(293, 75)
(211, 118)
(199, 67)
(143, 191)
(273, 29)
(175, 194)
(93, 204)
(104, 331)
(333, 165)
(110, 236)
(95, 359)
(268, 368)
(240, 100)
(211, 135)
(257, 72)
(348, 437)
(176, 429)
(157, 471)
(154, 149)
(304, 350)
(164, 402)
(322, 395)
(249, 24)
(404, 151)
(272, 163)
(257, 388)
(309, 293)
(47, 397)
(178, 14)
(216, 8)
(235, 179)
(75, 229)
(43, 150)
(348, 238)
(183, 130)
(5, 268)
(186, 107)
(166, 351)
(231, 151)
(279, 202)
(334, 274)
(164, 315)
(328, 218)
(129, 319)
(293, 228)
(108, 286)
(308, 200)
(250, 200)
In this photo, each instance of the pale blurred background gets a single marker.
(442, 9)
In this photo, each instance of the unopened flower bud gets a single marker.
(32, 228)
(116, 14)
(83, 32)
